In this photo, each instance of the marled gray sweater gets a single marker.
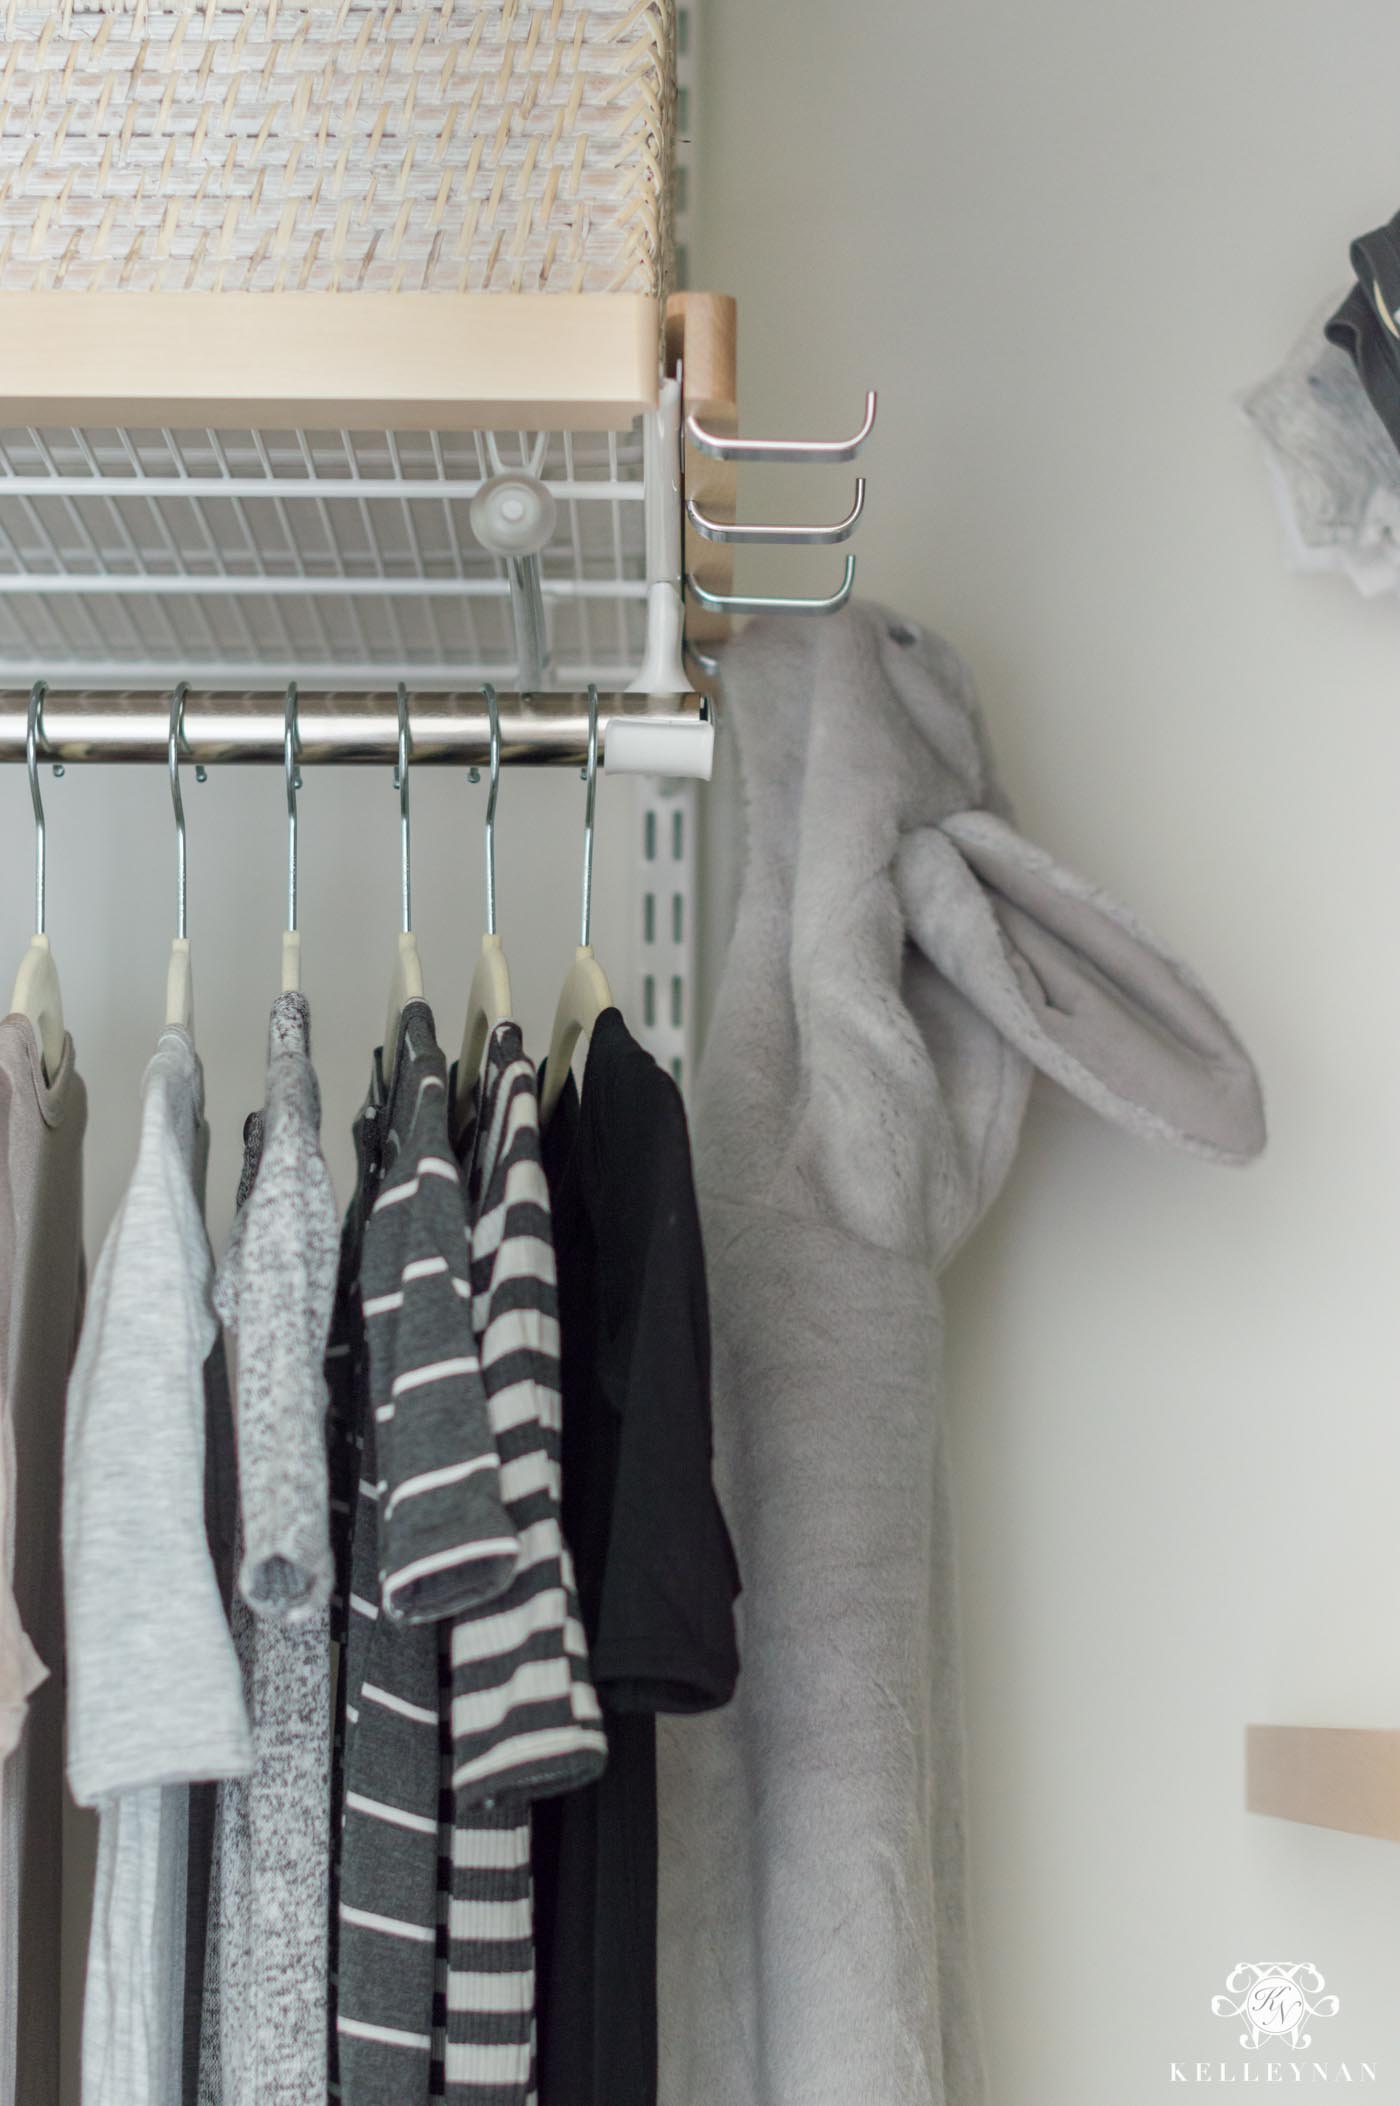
(264, 2031)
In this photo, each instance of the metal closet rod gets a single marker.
(536, 730)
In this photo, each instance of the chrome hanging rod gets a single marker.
(670, 734)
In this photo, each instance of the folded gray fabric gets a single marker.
(1334, 470)
(902, 962)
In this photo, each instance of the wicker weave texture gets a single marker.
(412, 145)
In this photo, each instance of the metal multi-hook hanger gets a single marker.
(722, 446)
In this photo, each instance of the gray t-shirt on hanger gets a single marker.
(155, 1700)
(265, 1973)
(41, 1284)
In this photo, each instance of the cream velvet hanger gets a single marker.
(37, 994)
(179, 976)
(585, 993)
(489, 1001)
(407, 983)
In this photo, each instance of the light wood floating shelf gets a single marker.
(330, 361)
(701, 337)
(1344, 1777)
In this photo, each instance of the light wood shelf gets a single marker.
(329, 361)
(1345, 1777)
(701, 337)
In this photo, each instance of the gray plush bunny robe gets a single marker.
(903, 960)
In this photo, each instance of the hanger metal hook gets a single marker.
(493, 715)
(590, 776)
(33, 738)
(291, 754)
(405, 822)
(177, 733)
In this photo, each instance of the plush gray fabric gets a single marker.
(902, 961)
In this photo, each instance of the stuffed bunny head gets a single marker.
(904, 958)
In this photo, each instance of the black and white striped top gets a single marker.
(430, 1536)
(451, 1727)
(525, 1722)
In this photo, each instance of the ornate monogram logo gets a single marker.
(1276, 1999)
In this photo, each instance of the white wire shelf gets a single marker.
(325, 556)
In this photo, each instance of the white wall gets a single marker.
(111, 906)
(1062, 239)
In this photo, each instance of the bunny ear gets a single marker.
(1078, 986)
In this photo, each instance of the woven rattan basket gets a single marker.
(409, 146)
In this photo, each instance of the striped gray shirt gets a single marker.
(524, 1719)
(430, 1537)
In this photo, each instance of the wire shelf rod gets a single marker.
(425, 676)
(374, 487)
(254, 585)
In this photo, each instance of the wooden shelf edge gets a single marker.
(1345, 1777)
(330, 361)
(702, 337)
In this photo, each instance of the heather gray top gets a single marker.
(264, 2036)
(153, 1690)
(154, 1693)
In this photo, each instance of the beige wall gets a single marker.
(1062, 239)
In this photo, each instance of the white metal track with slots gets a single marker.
(667, 875)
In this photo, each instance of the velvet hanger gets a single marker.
(37, 994)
